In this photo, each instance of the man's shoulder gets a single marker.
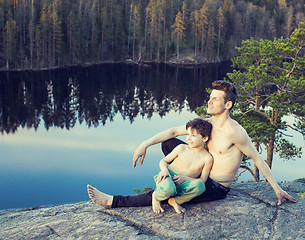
(236, 132)
(232, 124)
(233, 127)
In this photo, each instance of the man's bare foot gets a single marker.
(156, 205)
(100, 198)
(178, 208)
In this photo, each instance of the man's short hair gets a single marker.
(228, 88)
(202, 126)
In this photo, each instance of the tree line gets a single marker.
(45, 34)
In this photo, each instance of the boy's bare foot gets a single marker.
(156, 205)
(178, 208)
(100, 198)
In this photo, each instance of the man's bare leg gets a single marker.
(156, 205)
(99, 198)
(178, 208)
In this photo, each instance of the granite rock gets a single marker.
(248, 212)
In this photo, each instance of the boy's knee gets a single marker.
(198, 187)
(165, 190)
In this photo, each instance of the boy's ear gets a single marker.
(205, 139)
(228, 105)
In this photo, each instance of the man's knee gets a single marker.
(168, 145)
(165, 146)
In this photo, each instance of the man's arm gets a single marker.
(140, 152)
(243, 142)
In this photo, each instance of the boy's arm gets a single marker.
(243, 142)
(140, 152)
(206, 169)
(165, 161)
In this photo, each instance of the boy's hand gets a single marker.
(179, 179)
(162, 175)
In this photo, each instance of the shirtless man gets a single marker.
(229, 141)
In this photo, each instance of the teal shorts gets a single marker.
(183, 192)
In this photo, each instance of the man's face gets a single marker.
(216, 104)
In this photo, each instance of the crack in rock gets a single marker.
(52, 231)
(142, 228)
(273, 223)
(257, 198)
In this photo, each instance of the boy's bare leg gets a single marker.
(100, 198)
(156, 205)
(178, 208)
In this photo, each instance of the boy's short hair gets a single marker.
(228, 88)
(202, 126)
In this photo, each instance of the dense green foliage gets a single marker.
(44, 33)
(145, 190)
(271, 85)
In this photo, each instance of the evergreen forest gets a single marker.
(36, 34)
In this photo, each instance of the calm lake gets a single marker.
(65, 128)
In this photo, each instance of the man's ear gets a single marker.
(228, 105)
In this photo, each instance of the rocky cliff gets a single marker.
(249, 212)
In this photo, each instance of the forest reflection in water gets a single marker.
(95, 94)
(65, 128)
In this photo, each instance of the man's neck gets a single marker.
(220, 119)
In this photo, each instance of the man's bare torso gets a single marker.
(227, 157)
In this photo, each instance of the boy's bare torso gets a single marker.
(189, 162)
(227, 157)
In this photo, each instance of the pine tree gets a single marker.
(57, 42)
(271, 85)
(178, 32)
(203, 27)
(220, 27)
(10, 42)
(195, 17)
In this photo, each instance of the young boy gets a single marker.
(187, 161)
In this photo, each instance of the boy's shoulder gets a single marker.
(181, 147)
(207, 156)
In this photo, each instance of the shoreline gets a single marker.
(186, 62)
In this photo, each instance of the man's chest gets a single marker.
(220, 142)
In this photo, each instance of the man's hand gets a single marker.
(140, 152)
(282, 194)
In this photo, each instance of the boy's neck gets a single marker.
(197, 149)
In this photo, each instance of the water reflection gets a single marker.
(50, 165)
(95, 94)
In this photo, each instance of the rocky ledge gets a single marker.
(249, 212)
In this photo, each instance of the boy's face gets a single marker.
(216, 104)
(194, 138)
